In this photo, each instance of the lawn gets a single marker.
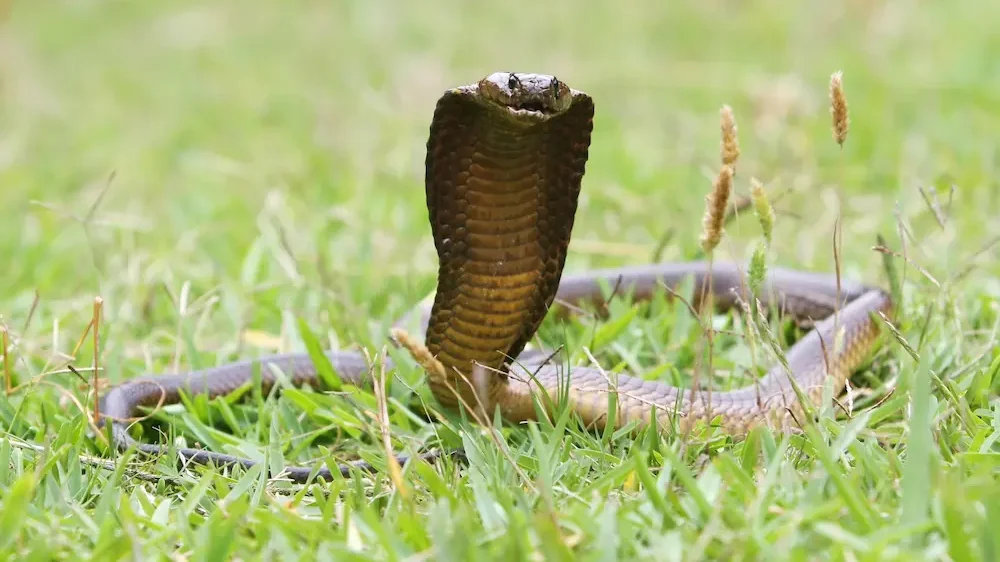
(223, 177)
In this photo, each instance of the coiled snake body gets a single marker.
(505, 160)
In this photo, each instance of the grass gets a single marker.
(221, 177)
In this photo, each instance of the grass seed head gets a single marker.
(762, 207)
(758, 267)
(715, 209)
(730, 143)
(838, 108)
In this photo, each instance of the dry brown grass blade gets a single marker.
(7, 376)
(395, 472)
(934, 204)
(96, 322)
(916, 266)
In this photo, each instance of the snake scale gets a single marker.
(504, 165)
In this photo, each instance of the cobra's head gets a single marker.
(535, 96)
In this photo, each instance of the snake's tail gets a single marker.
(124, 402)
(297, 474)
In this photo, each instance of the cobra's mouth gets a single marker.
(533, 108)
(536, 106)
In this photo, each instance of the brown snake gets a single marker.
(505, 160)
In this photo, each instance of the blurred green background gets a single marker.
(275, 149)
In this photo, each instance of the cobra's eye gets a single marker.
(512, 82)
(556, 86)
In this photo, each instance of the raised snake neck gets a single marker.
(505, 160)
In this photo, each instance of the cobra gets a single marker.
(504, 164)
